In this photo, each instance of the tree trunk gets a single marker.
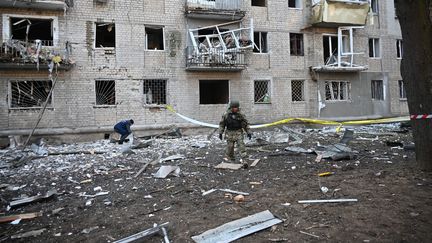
(415, 18)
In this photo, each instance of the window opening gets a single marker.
(338, 90)
(154, 38)
(296, 44)
(374, 47)
(259, 3)
(374, 6)
(399, 49)
(330, 44)
(260, 39)
(377, 89)
(105, 35)
(294, 3)
(105, 92)
(262, 91)
(213, 91)
(155, 91)
(297, 90)
(29, 30)
(27, 94)
(402, 91)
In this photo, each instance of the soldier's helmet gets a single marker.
(234, 104)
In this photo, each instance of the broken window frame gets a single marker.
(103, 24)
(7, 30)
(146, 39)
(297, 4)
(374, 48)
(159, 93)
(298, 39)
(262, 91)
(258, 3)
(377, 90)
(402, 90)
(214, 91)
(297, 90)
(29, 94)
(261, 45)
(340, 91)
(103, 98)
(399, 48)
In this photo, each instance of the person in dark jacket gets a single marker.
(234, 124)
(123, 128)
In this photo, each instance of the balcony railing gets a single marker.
(214, 59)
(18, 54)
(216, 9)
(57, 5)
(335, 13)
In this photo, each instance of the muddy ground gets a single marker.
(394, 197)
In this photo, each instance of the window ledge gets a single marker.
(338, 101)
(375, 58)
(29, 108)
(403, 99)
(105, 106)
(157, 50)
(262, 103)
(295, 8)
(260, 53)
(154, 106)
(299, 102)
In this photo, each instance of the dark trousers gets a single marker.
(124, 134)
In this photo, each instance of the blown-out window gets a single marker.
(30, 94)
(154, 91)
(338, 90)
(105, 35)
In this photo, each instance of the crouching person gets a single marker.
(234, 125)
(123, 128)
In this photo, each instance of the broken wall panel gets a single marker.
(335, 13)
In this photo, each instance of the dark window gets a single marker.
(105, 92)
(37, 29)
(330, 46)
(30, 93)
(296, 44)
(262, 91)
(374, 6)
(260, 39)
(105, 35)
(213, 91)
(154, 38)
(294, 3)
(374, 48)
(259, 3)
(154, 91)
(399, 49)
(377, 90)
(297, 90)
(338, 90)
(402, 91)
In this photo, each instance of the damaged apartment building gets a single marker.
(95, 62)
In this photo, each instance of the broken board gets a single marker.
(229, 166)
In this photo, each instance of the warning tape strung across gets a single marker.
(305, 120)
(415, 117)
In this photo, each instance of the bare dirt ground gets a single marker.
(394, 196)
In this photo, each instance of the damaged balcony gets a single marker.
(215, 9)
(34, 55)
(334, 13)
(339, 52)
(214, 60)
(55, 5)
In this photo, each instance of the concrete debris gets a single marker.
(347, 137)
(84, 194)
(336, 151)
(154, 230)
(298, 150)
(28, 234)
(229, 166)
(88, 230)
(28, 200)
(172, 158)
(239, 228)
(39, 150)
(165, 170)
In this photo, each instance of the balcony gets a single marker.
(34, 55)
(335, 13)
(215, 9)
(214, 60)
(56, 5)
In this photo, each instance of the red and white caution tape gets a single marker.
(413, 117)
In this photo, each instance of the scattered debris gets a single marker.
(255, 163)
(325, 174)
(225, 190)
(347, 137)
(328, 200)
(88, 230)
(298, 150)
(316, 236)
(28, 234)
(9, 218)
(239, 198)
(236, 229)
(156, 229)
(28, 200)
(172, 158)
(230, 166)
(165, 170)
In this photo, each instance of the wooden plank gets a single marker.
(11, 218)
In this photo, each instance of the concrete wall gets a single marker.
(74, 95)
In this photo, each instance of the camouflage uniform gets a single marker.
(234, 124)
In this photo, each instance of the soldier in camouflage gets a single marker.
(234, 124)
